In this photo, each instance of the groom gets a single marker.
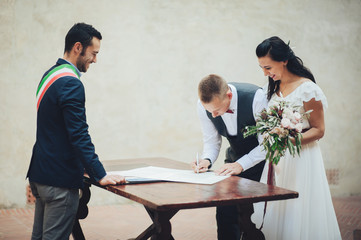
(224, 110)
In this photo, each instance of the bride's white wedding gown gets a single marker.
(311, 216)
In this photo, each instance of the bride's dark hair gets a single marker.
(279, 51)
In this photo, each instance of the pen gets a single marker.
(197, 163)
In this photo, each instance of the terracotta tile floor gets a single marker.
(128, 220)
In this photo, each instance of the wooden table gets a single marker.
(162, 200)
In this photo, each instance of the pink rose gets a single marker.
(276, 130)
(284, 133)
(285, 122)
(297, 116)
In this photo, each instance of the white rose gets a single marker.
(298, 127)
(287, 113)
(285, 122)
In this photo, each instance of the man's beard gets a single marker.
(81, 62)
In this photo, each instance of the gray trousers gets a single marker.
(55, 211)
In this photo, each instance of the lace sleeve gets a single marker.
(310, 90)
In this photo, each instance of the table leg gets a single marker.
(82, 213)
(250, 232)
(161, 227)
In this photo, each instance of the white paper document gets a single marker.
(173, 175)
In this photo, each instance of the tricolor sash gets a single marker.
(58, 72)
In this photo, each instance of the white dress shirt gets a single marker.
(212, 140)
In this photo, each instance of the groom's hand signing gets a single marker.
(202, 167)
(229, 169)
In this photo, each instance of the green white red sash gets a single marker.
(58, 72)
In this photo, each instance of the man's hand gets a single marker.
(202, 167)
(229, 169)
(111, 179)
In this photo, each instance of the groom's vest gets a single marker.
(240, 146)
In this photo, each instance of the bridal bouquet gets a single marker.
(277, 125)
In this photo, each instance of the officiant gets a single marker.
(224, 109)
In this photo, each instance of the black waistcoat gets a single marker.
(240, 146)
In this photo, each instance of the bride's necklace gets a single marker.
(287, 87)
(282, 90)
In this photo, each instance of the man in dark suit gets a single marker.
(224, 110)
(63, 146)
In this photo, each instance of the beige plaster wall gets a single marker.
(142, 93)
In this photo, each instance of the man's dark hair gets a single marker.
(83, 33)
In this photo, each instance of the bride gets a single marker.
(311, 215)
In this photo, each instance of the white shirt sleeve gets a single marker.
(212, 140)
(257, 154)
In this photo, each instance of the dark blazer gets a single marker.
(63, 146)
